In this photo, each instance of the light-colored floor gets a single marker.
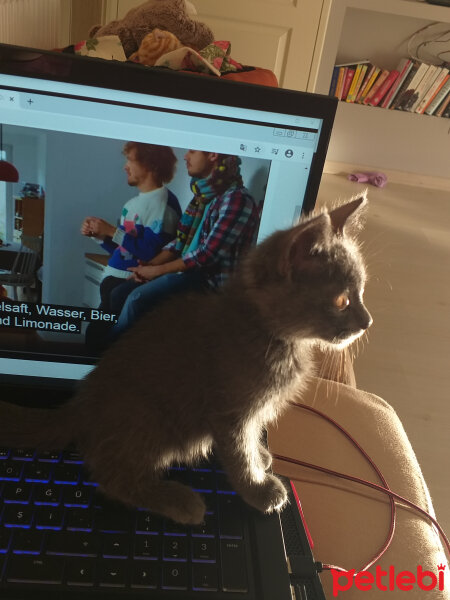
(406, 359)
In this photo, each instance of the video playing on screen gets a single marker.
(107, 206)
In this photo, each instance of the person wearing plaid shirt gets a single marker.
(218, 226)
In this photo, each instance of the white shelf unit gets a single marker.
(352, 30)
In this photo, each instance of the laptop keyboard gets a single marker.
(57, 530)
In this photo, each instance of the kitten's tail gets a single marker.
(43, 429)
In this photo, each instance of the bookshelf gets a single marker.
(352, 30)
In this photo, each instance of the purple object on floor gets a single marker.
(377, 179)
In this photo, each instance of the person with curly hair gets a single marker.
(218, 226)
(147, 223)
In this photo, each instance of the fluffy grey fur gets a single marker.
(210, 371)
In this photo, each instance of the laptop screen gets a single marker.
(66, 121)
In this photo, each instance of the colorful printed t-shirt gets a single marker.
(148, 222)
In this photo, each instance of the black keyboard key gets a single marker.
(66, 473)
(117, 520)
(204, 550)
(16, 493)
(49, 456)
(73, 457)
(23, 454)
(205, 577)
(49, 517)
(77, 496)
(148, 523)
(145, 574)
(112, 573)
(10, 470)
(230, 516)
(232, 559)
(210, 501)
(33, 569)
(208, 528)
(115, 545)
(175, 548)
(203, 481)
(15, 515)
(174, 576)
(172, 528)
(27, 541)
(37, 472)
(4, 453)
(47, 495)
(80, 572)
(5, 538)
(79, 519)
(68, 543)
(147, 547)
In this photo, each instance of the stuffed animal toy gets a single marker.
(169, 15)
(155, 44)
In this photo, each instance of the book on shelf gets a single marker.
(369, 84)
(356, 82)
(368, 74)
(376, 86)
(403, 67)
(444, 108)
(440, 80)
(385, 86)
(334, 80)
(408, 97)
(423, 87)
(404, 85)
(340, 82)
(440, 97)
(348, 78)
(358, 79)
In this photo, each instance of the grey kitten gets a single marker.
(210, 371)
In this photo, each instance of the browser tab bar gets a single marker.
(9, 99)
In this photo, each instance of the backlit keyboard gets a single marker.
(56, 530)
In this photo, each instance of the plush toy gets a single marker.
(155, 44)
(169, 15)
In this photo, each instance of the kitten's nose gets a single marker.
(365, 318)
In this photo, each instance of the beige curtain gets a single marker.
(35, 23)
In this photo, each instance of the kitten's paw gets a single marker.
(185, 507)
(268, 496)
(266, 458)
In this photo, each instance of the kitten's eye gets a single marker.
(342, 301)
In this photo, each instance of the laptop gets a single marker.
(65, 120)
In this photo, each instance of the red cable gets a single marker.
(384, 489)
(371, 485)
(391, 531)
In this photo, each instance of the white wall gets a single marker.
(35, 23)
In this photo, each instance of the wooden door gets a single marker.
(279, 35)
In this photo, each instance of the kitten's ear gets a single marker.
(347, 214)
(302, 241)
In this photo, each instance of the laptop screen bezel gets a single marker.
(165, 83)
